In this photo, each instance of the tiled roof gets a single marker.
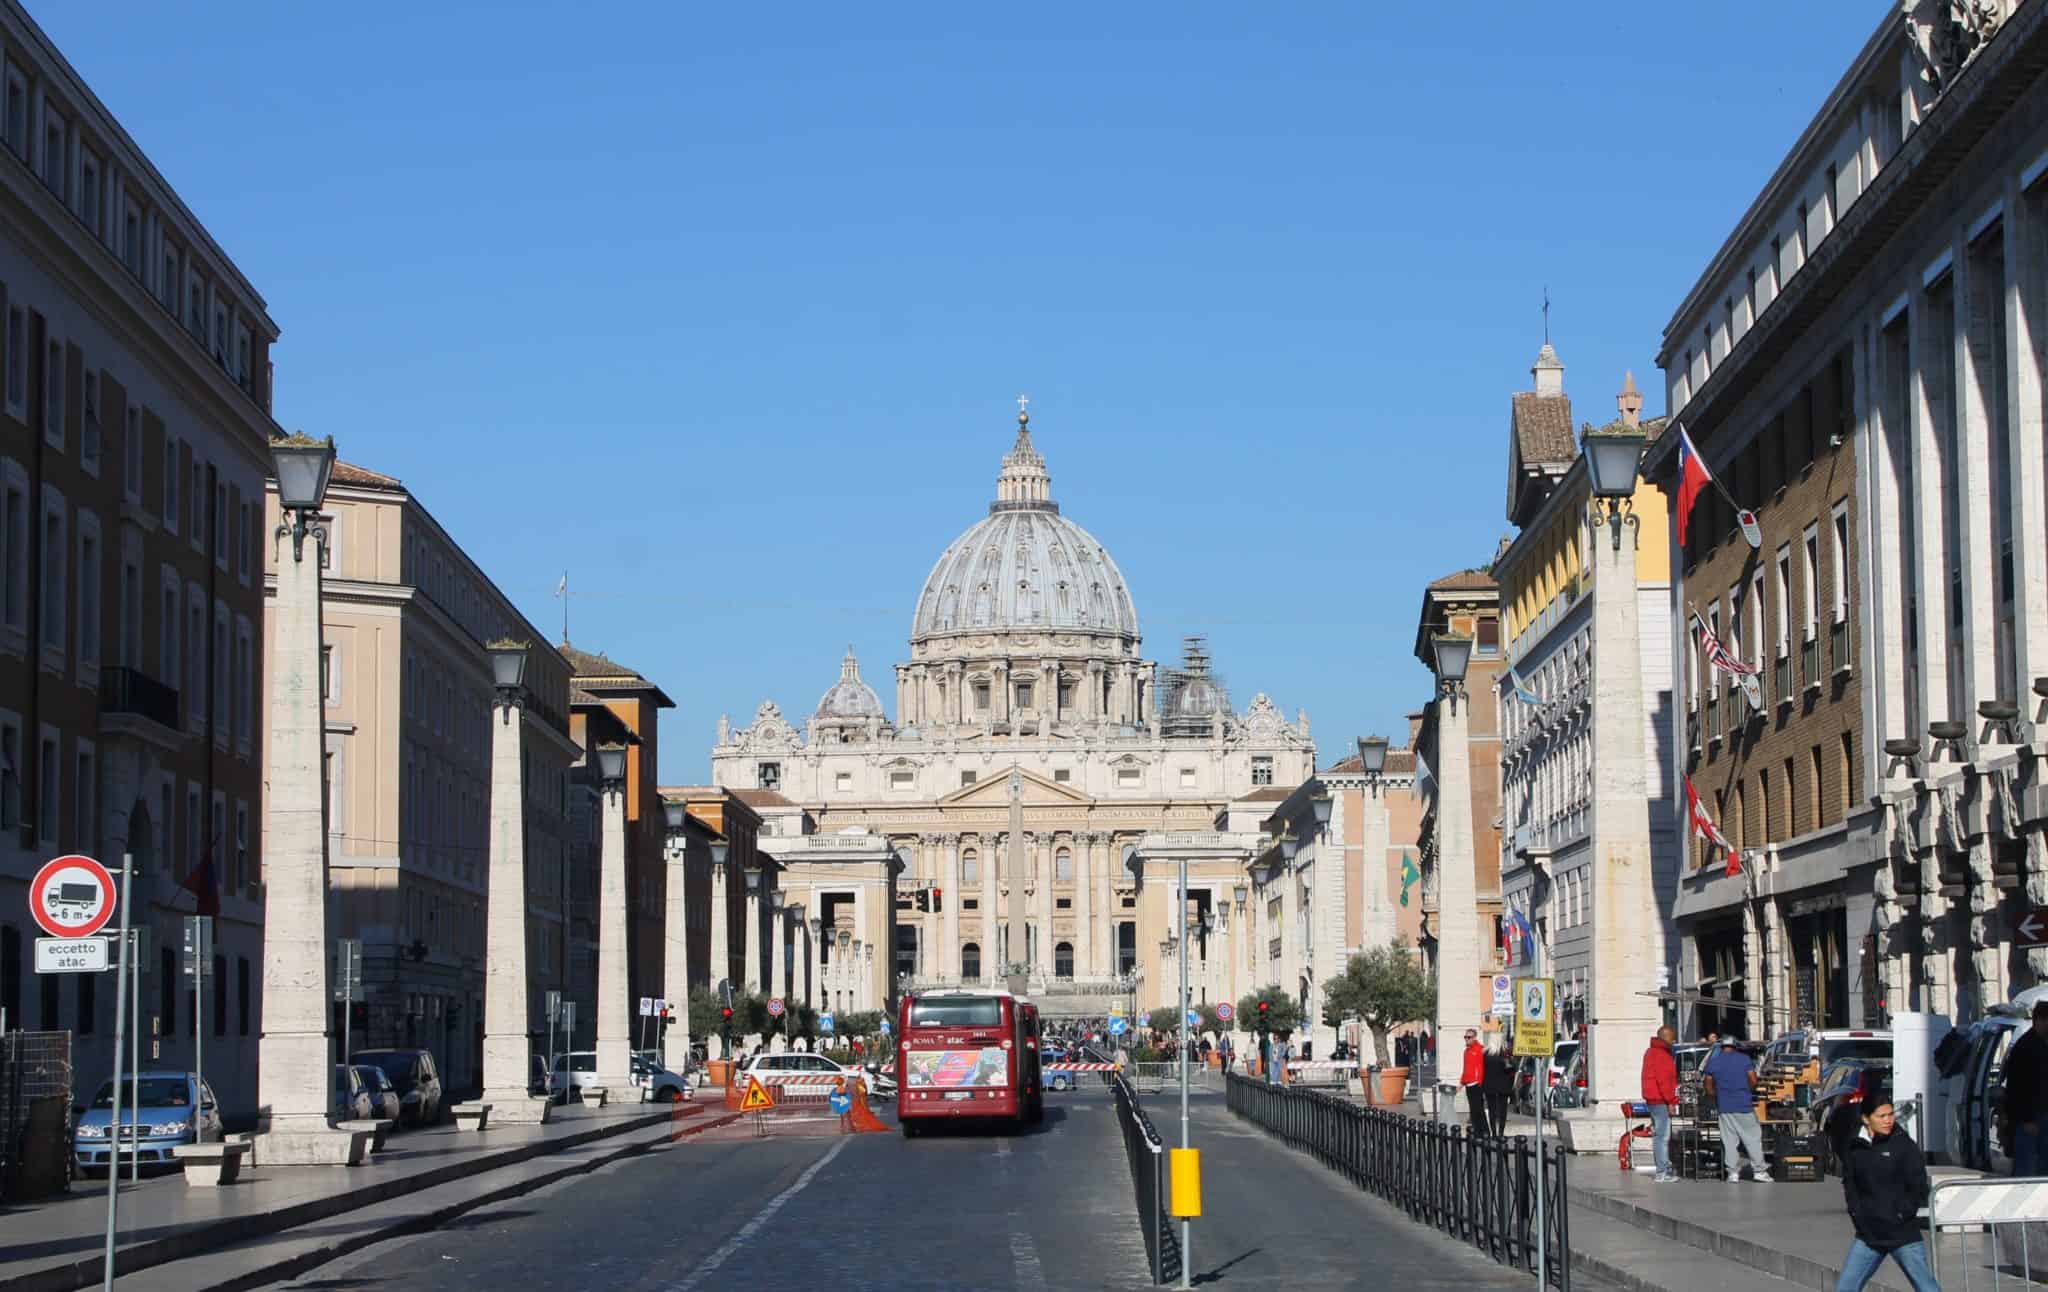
(1398, 761)
(1267, 794)
(590, 672)
(585, 663)
(1543, 428)
(1465, 579)
(762, 799)
(348, 473)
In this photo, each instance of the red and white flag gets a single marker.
(1693, 478)
(1703, 827)
(1717, 652)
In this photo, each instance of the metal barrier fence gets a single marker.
(1154, 1078)
(1147, 1154)
(1476, 1189)
(1988, 1227)
(35, 1113)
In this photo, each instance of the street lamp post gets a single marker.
(1457, 932)
(508, 1045)
(675, 930)
(614, 1057)
(294, 1075)
(777, 903)
(814, 974)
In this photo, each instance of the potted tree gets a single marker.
(1385, 987)
(1279, 1017)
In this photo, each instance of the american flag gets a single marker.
(1703, 827)
(1717, 653)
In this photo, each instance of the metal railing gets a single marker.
(1989, 1226)
(1147, 1154)
(1154, 1078)
(1477, 1189)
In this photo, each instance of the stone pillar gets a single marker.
(721, 920)
(1752, 971)
(675, 959)
(294, 1074)
(1380, 909)
(991, 946)
(778, 973)
(949, 938)
(1042, 866)
(1084, 909)
(1457, 918)
(507, 1028)
(751, 952)
(614, 1018)
(1627, 935)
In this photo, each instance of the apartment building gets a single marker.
(1552, 712)
(134, 424)
(408, 695)
(1859, 365)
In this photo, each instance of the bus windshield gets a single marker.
(956, 1011)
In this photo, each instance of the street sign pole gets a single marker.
(198, 964)
(120, 1023)
(1186, 1230)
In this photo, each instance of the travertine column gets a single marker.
(675, 959)
(721, 920)
(991, 945)
(1379, 909)
(1628, 942)
(1084, 910)
(949, 943)
(614, 1019)
(752, 950)
(1042, 854)
(1109, 863)
(507, 1042)
(1457, 915)
(294, 1075)
(778, 984)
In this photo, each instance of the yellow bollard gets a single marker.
(1184, 1182)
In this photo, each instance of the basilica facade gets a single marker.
(995, 829)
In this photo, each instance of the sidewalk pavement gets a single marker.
(54, 1245)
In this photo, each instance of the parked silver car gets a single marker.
(383, 1095)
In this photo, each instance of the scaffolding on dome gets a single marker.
(1191, 695)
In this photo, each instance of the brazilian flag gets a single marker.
(1410, 875)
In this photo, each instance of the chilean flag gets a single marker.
(1693, 476)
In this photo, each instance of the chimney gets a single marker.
(1548, 371)
(1630, 400)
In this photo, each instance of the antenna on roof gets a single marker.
(1546, 313)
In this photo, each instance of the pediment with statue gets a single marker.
(1264, 726)
(768, 730)
(1034, 790)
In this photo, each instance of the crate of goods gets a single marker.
(1797, 1159)
(1695, 1153)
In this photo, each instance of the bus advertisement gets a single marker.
(965, 1054)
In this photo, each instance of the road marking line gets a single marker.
(747, 1231)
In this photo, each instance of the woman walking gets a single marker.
(1498, 1082)
(1884, 1181)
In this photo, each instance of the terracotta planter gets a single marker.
(1393, 1083)
(719, 1072)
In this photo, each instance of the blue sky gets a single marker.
(722, 309)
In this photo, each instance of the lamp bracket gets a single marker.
(299, 526)
(1615, 513)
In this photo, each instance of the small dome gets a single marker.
(849, 697)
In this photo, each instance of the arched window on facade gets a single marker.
(1063, 866)
(970, 961)
(970, 867)
(1063, 960)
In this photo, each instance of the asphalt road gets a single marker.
(1049, 1208)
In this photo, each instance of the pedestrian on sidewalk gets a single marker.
(1884, 1181)
(1473, 1079)
(1660, 1094)
(1229, 1055)
(1730, 1081)
(2026, 1094)
(1498, 1083)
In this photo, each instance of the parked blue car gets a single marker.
(159, 1111)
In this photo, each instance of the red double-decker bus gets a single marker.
(967, 1054)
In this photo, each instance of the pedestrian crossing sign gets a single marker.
(757, 1099)
(1535, 1024)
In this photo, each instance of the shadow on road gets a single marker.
(1216, 1275)
(984, 1128)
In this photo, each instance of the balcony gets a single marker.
(134, 703)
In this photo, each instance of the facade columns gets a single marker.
(777, 965)
(507, 1027)
(614, 1020)
(991, 943)
(721, 919)
(752, 951)
(1084, 909)
(675, 957)
(1628, 943)
(1042, 864)
(1457, 919)
(1379, 909)
(294, 1077)
(949, 880)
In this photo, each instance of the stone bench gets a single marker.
(472, 1116)
(379, 1129)
(594, 1095)
(210, 1165)
(247, 1139)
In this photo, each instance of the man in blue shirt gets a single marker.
(1731, 1084)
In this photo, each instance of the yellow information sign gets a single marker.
(1535, 1021)
(757, 1097)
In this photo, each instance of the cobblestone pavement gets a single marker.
(1049, 1208)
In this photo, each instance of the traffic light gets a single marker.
(923, 898)
(938, 896)
(726, 1013)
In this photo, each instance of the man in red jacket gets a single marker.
(1471, 1079)
(1660, 1092)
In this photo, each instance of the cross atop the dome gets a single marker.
(1023, 410)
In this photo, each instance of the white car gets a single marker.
(765, 1064)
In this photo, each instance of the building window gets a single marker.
(238, 873)
(768, 776)
(1023, 695)
(1063, 866)
(842, 782)
(242, 993)
(1784, 635)
(10, 775)
(1063, 960)
(968, 778)
(1262, 769)
(1062, 775)
(1486, 637)
(89, 425)
(1187, 778)
(88, 590)
(54, 604)
(1127, 777)
(14, 550)
(16, 133)
(1126, 947)
(902, 780)
(131, 454)
(85, 823)
(981, 697)
(49, 796)
(17, 362)
(970, 867)
(173, 473)
(970, 960)
(53, 394)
